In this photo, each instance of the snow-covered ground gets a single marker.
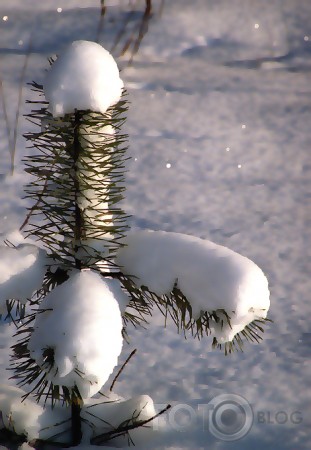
(219, 132)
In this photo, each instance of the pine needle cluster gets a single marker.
(78, 182)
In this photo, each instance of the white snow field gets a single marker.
(219, 134)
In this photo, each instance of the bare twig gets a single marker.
(101, 20)
(5, 114)
(122, 31)
(34, 207)
(19, 101)
(142, 30)
(122, 368)
(12, 139)
(161, 7)
(137, 33)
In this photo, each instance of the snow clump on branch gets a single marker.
(80, 323)
(210, 276)
(22, 270)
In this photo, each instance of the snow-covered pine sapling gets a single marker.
(71, 343)
(99, 275)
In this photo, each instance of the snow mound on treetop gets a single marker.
(84, 77)
(211, 276)
(83, 326)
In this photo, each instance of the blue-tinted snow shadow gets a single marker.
(49, 31)
(223, 54)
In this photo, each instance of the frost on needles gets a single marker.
(88, 277)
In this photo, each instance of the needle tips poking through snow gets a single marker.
(84, 77)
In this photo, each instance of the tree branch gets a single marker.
(122, 368)
(100, 439)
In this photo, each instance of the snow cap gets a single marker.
(84, 77)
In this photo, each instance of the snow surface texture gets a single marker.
(83, 328)
(84, 77)
(209, 275)
(22, 270)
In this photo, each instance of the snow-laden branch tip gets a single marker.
(109, 420)
(81, 324)
(211, 277)
(84, 77)
(102, 416)
(22, 270)
(20, 417)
